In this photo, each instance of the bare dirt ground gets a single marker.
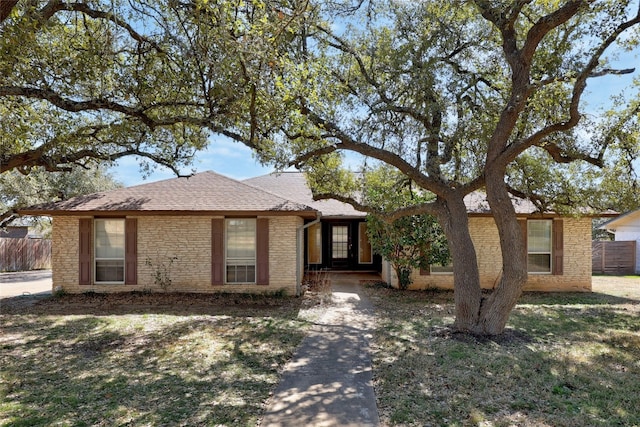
(179, 303)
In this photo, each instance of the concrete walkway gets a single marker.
(329, 380)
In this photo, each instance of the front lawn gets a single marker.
(566, 360)
(159, 360)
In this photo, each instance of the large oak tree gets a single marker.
(460, 96)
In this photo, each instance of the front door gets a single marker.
(340, 245)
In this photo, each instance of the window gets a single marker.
(365, 255)
(442, 269)
(241, 250)
(109, 250)
(539, 245)
(340, 242)
(314, 244)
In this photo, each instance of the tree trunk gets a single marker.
(6, 6)
(467, 293)
(495, 310)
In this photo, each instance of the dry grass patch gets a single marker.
(162, 360)
(565, 360)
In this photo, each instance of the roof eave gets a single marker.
(106, 213)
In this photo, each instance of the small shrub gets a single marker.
(317, 282)
(59, 292)
(280, 293)
(404, 277)
(161, 273)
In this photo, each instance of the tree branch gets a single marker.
(348, 143)
(55, 6)
(7, 216)
(547, 23)
(37, 158)
(561, 156)
(423, 208)
(76, 106)
(578, 89)
(348, 200)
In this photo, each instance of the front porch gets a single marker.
(340, 244)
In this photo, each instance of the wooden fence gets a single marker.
(617, 258)
(24, 254)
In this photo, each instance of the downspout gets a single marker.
(300, 253)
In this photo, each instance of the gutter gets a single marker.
(300, 248)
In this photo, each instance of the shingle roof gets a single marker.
(293, 185)
(202, 192)
(477, 203)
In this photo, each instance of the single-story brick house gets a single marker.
(260, 235)
(223, 235)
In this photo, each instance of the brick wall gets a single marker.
(64, 253)
(577, 259)
(188, 238)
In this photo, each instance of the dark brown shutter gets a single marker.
(262, 251)
(523, 227)
(131, 251)
(557, 236)
(84, 251)
(217, 252)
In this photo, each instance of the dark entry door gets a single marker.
(340, 245)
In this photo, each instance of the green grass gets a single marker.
(145, 368)
(566, 360)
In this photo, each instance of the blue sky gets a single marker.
(223, 156)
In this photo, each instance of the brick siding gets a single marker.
(188, 238)
(484, 233)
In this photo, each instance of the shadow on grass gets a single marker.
(141, 369)
(439, 296)
(574, 298)
(92, 303)
(570, 372)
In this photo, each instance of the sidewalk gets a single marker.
(329, 380)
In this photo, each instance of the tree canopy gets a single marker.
(18, 190)
(91, 81)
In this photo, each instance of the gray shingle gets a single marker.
(202, 192)
(293, 185)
